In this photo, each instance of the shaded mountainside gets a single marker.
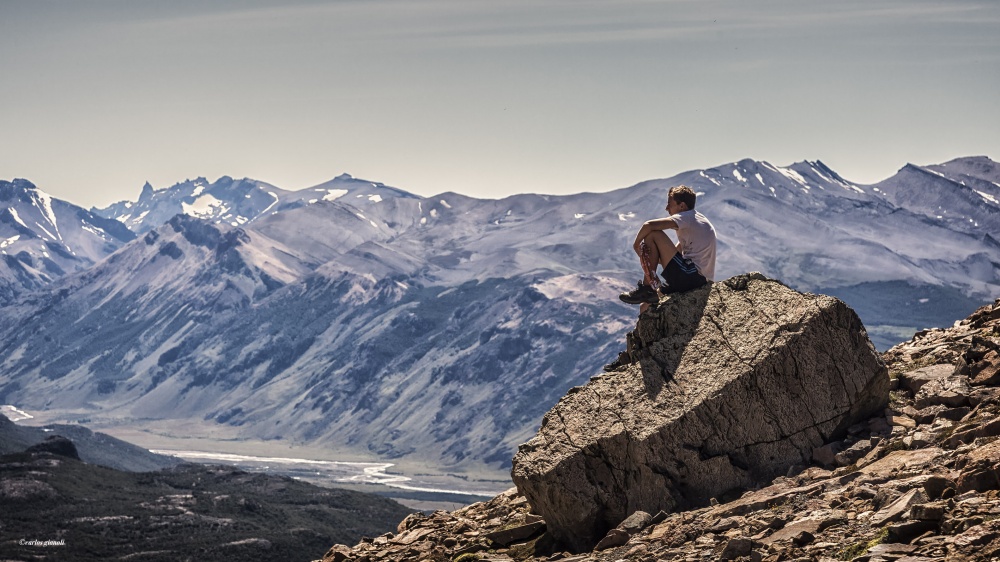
(189, 512)
(326, 317)
(919, 482)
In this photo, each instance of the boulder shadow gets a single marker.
(672, 322)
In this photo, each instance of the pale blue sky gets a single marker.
(486, 98)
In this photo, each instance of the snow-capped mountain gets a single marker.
(364, 318)
(236, 202)
(43, 238)
(963, 194)
(818, 234)
(367, 352)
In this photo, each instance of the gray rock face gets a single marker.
(734, 383)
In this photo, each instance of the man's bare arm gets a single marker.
(650, 226)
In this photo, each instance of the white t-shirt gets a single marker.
(697, 238)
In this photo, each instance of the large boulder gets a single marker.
(57, 445)
(734, 383)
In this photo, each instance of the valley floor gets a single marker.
(411, 483)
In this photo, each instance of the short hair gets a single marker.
(683, 194)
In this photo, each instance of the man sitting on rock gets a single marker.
(687, 265)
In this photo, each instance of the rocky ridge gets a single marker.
(918, 482)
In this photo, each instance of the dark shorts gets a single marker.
(681, 275)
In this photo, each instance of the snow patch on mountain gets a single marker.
(332, 194)
(713, 180)
(45, 201)
(275, 202)
(989, 198)
(794, 176)
(17, 217)
(204, 207)
(45, 230)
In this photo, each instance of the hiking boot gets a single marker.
(624, 360)
(642, 293)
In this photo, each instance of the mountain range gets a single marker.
(361, 317)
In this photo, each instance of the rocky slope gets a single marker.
(918, 482)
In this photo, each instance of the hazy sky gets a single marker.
(486, 98)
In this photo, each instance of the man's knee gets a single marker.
(665, 248)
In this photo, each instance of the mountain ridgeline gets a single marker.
(440, 329)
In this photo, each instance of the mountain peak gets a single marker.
(971, 160)
(822, 167)
(147, 191)
(809, 165)
(22, 183)
(927, 171)
(17, 185)
(978, 167)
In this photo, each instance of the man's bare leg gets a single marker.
(661, 248)
(661, 251)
